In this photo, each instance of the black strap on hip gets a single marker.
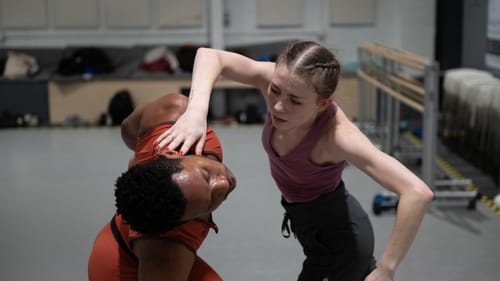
(119, 239)
(285, 226)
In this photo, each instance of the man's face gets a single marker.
(205, 184)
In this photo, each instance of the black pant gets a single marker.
(336, 236)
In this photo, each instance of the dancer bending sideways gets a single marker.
(308, 140)
(164, 203)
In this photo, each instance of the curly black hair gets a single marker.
(148, 198)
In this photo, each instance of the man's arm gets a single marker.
(163, 260)
(131, 125)
(167, 108)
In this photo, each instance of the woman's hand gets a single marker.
(380, 274)
(189, 129)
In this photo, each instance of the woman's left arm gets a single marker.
(414, 194)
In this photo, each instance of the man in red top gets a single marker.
(164, 203)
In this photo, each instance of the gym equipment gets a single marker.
(384, 202)
(399, 76)
(388, 201)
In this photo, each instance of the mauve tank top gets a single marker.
(298, 178)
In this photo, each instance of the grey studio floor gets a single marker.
(57, 192)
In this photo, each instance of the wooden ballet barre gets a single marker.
(405, 91)
(384, 68)
(408, 85)
(409, 94)
(381, 49)
(413, 87)
(396, 55)
(408, 78)
(411, 103)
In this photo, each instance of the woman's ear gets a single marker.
(324, 104)
(171, 154)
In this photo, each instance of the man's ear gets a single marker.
(172, 154)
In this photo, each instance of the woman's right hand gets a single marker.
(188, 130)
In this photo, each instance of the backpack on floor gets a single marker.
(88, 60)
(120, 106)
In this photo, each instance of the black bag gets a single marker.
(2, 65)
(85, 60)
(185, 56)
(120, 106)
(10, 120)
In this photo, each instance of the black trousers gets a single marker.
(336, 236)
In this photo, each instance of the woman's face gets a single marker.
(292, 101)
(205, 183)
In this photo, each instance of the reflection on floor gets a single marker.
(56, 194)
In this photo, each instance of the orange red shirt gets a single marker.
(191, 233)
(112, 258)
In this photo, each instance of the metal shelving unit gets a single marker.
(404, 77)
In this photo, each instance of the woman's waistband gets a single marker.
(328, 205)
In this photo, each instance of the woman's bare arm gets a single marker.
(209, 65)
(414, 194)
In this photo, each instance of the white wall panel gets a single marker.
(23, 13)
(352, 11)
(75, 13)
(127, 13)
(276, 13)
(186, 13)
